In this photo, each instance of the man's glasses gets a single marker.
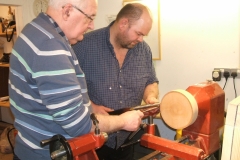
(89, 17)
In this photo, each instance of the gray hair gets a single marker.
(60, 3)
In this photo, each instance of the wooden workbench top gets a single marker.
(4, 64)
(3, 34)
(5, 104)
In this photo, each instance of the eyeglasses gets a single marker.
(89, 17)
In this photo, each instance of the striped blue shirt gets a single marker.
(108, 84)
(47, 88)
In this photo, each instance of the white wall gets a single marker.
(4, 11)
(196, 36)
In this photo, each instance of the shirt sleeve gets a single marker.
(152, 78)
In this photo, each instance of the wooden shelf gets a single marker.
(4, 34)
(4, 64)
(5, 104)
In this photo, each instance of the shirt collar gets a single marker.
(108, 35)
(56, 26)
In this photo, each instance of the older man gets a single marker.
(119, 70)
(48, 92)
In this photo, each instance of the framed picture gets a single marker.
(153, 38)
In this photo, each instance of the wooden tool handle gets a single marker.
(148, 109)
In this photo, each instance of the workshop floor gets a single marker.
(4, 156)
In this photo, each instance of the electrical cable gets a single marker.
(225, 84)
(8, 136)
(234, 88)
(234, 75)
(226, 74)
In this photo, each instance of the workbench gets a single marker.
(5, 104)
(3, 34)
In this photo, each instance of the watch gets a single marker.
(39, 6)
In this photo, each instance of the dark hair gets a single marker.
(131, 11)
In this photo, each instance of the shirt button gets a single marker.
(120, 71)
(120, 86)
(121, 102)
(110, 88)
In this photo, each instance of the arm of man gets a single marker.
(151, 92)
(98, 109)
(129, 121)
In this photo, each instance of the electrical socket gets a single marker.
(230, 70)
(237, 71)
(224, 70)
(216, 75)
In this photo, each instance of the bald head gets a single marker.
(60, 3)
(133, 12)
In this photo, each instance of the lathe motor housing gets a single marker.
(211, 102)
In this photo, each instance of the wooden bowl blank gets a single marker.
(178, 109)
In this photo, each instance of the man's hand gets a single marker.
(151, 100)
(151, 93)
(132, 120)
(129, 121)
(100, 109)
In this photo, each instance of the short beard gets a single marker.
(123, 41)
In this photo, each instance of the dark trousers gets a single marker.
(106, 153)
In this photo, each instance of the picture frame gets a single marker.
(153, 38)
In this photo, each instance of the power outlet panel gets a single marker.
(230, 70)
(216, 75)
(238, 73)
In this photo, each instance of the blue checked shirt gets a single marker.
(107, 83)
